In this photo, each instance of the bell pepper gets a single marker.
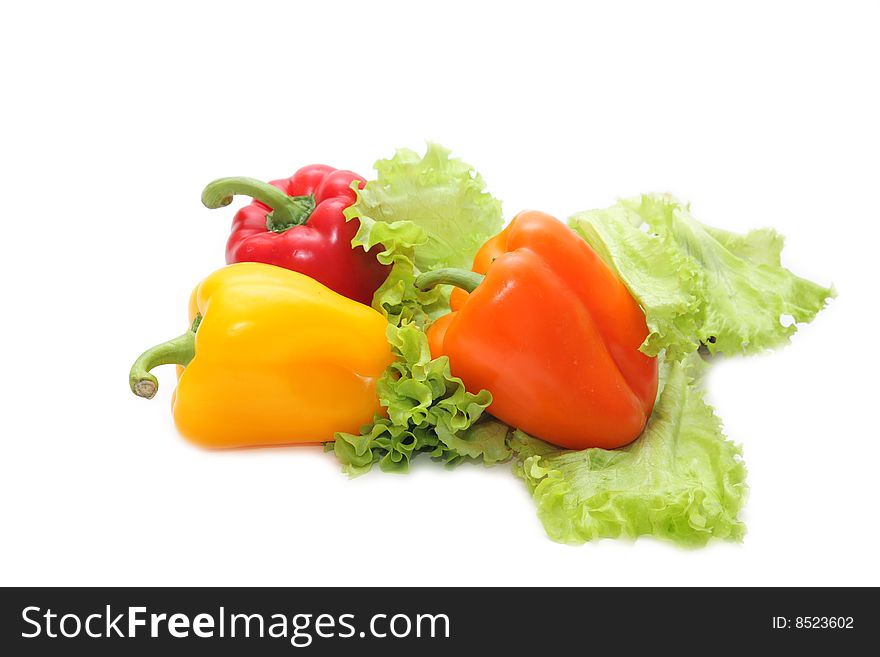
(273, 357)
(552, 333)
(298, 223)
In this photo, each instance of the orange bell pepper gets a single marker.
(552, 333)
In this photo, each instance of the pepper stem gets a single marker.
(466, 280)
(179, 351)
(287, 211)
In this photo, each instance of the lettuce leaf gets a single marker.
(397, 298)
(697, 284)
(666, 281)
(682, 480)
(429, 411)
(427, 212)
(442, 195)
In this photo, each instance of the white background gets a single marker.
(114, 117)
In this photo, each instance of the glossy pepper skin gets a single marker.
(298, 223)
(553, 334)
(275, 358)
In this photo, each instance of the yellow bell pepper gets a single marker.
(273, 357)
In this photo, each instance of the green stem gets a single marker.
(287, 211)
(466, 280)
(179, 351)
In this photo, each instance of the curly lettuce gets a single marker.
(697, 284)
(427, 212)
(429, 411)
(681, 480)
(397, 298)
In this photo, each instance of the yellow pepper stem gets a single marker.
(179, 351)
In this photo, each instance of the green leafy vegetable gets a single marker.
(682, 480)
(397, 298)
(429, 410)
(440, 194)
(699, 284)
(427, 212)
(666, 282)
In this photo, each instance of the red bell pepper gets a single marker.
(298, 223)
